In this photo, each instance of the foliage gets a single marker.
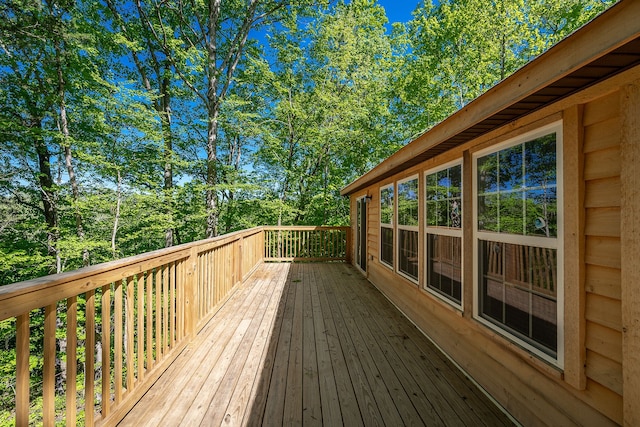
(460, 49)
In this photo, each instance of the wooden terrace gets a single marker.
(312, 344)
(221, 332)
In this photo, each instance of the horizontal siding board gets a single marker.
(601, 193)
(604, 281)
(602, 164)
(604, 371)
(604, 311)
(602, 109)
(602, 135)
(603, 340)
(605, 400)
(603, 251)
(602, 222)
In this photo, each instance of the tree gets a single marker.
(205, 44)
(460, 49)
(331, 115)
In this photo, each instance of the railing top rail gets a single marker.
(92, 277)
(304, 227)
(24, 296)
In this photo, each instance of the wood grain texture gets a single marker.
(315, 344)
(574, 253)
(630, 231)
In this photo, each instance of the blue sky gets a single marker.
(399, 10)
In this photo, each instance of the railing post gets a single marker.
(190, 293)
(239, 262)
(348, 243)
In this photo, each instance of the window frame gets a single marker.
(390, 226)
(444, 231)
(412, 228)
(556, 243)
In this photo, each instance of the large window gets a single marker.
(408, 227)
(517, 226)
(386, 225)
(443, 195)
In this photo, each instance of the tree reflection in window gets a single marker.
(517, 189)
(444, 234)
(386, 225)
(444, 198)
(386, 205)
(408, 202)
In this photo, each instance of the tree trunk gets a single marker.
(212, 172)
(47, 194)
(116, 218)
(213, 107)
(68, 157)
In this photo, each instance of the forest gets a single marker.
(129, 126)
(132, 126)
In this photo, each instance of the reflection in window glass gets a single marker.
(444, 198)
(518, 291)
(386, 205)
(386, 225)
(517, 189)
(408, 253)
(386, 239)
(444, 266)
(408, 202)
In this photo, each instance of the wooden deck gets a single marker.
(312, 344)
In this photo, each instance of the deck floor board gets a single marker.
(312, 344)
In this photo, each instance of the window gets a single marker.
(386, 225)
(408, 227)
(517, 225)
(443, 195)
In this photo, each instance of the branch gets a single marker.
(23, 202)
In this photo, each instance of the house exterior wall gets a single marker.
(587, 389)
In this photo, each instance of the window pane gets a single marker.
(387, 245)
(386, 205)
(408, 253)
(517, 189)
(455, 174)
(455, 213)
(444, 266)
(432, 213)
(488, 213)
(540, 156)
(442, 187)
(431, 184)
(510, 219)
(488, 173)
(518, 289)
(408, 202)
(444, 198)
(541, 212)
(510, 168)
(442, 208)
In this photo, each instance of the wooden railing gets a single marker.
(307, 243)
(98, 337)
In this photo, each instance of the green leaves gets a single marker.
(463, 48)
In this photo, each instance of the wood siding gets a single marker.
(589, 388)
(602, 131)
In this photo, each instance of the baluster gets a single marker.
(22, 370)
(49, 369)
(89, 356)
(106, 350)
(72, 360)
